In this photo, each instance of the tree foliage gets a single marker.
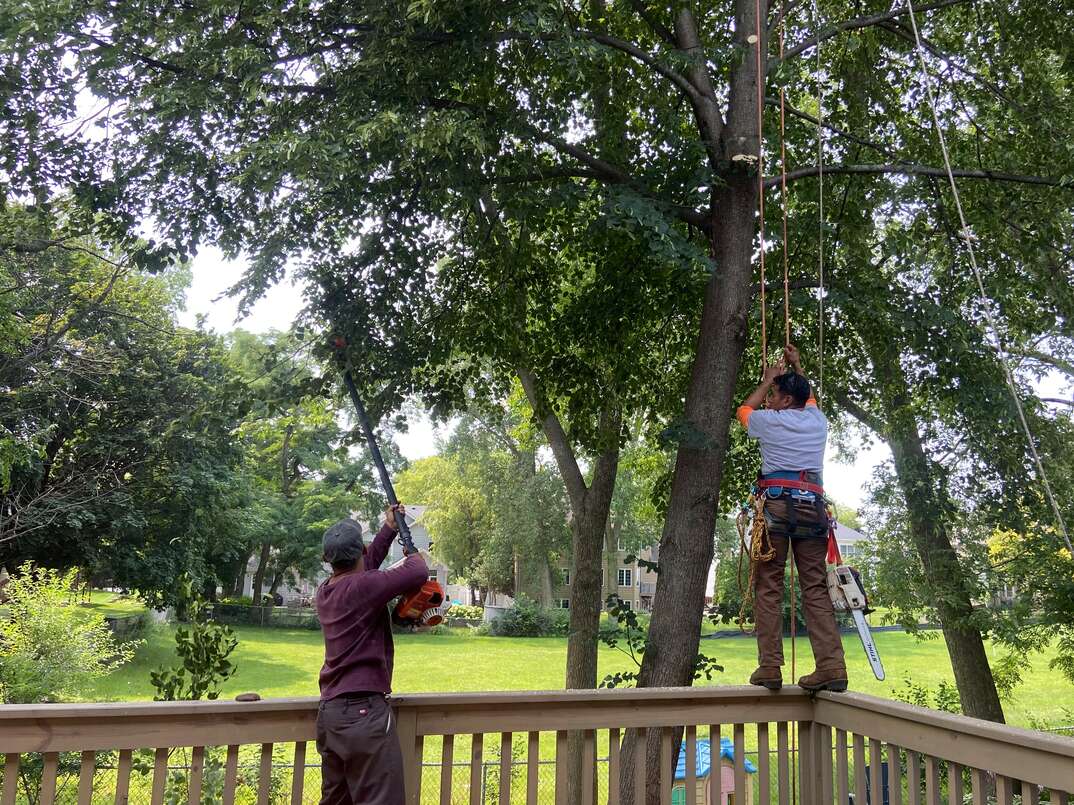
(116, 425)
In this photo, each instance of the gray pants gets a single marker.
(361, 763)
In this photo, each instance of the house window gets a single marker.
(566, 576)
(432, 575)
(619, 546)
(626, 577)
(562, 603)
(624, 604)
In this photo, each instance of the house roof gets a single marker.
(845, 533)
(703, 766)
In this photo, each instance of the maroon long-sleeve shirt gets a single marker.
(357, 626)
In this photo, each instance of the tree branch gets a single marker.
(557, 440)
(794, 112)
(871, 421)
(1058, 401)
(658, 27)
(675, 78)
(703, 97)
(861, 22)
(918, 170)
(606, 466)
(606, 171)
(1062, 365)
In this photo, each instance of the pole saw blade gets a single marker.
(868, 644)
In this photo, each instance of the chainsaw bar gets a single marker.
(868, 644)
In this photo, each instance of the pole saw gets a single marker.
(425, 606)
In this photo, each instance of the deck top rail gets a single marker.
(869, 732)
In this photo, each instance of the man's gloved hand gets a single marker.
(792, 358)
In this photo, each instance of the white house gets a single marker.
(852, 543)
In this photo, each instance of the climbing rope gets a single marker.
(994, 331)
(759, 41)
(758, 548)
(820, 214)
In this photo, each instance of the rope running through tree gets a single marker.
(994, 332)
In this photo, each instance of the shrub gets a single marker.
(528, 619)
(464, 612)
(49, 647)
(203, 649)
(242, 600)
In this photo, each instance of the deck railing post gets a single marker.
(809, 773)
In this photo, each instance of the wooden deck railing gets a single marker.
(506, 747)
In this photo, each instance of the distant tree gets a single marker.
(116, 425)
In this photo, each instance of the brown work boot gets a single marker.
(833, 679)
(767, 676)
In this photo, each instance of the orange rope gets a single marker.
(760, 179)
(783, 203)
(787, 341)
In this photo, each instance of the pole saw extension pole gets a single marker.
(374, 450)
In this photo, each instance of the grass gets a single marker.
(112, 604)
(106, 603)
(284, 662)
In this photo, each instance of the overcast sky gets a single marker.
(212, 276)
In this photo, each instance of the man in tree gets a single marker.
(792, 432)
(361, 760)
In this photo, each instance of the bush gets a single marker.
(527, 619)
(467, 613)
(203, 648)
(49, 647)
(242, 600)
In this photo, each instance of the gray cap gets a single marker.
(343, 542)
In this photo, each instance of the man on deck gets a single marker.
(361, 760)
(792, 432)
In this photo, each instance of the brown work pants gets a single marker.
(361, 762)
(810, 558)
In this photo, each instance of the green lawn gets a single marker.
(106, 603)
(282, 662)
(113, 604)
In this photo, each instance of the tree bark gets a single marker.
(546, 582)
(277, 580)
(259, 574)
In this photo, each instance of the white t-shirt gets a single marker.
(791, 440)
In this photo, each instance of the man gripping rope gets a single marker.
(792, 432)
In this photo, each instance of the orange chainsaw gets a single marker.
(427, 605)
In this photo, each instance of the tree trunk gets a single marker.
(686, 544)
(590, 507)
(926, 504)
(545, 595)
(277, 580)
(259, 574)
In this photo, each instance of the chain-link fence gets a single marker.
(176, 791)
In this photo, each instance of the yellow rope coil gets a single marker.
(758, 550)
